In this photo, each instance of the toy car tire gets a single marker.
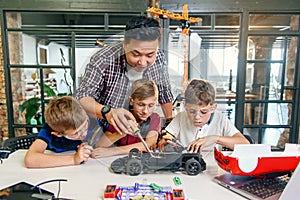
(117, 166)
(134, 167)
(134, 153)
(192, 167)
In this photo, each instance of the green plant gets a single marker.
(32, 105)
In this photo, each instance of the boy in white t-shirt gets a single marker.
(200, 126)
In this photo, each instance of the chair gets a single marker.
(21, 142)
(250, 139)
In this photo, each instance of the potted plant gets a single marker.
(32, 105)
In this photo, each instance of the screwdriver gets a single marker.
(137, 132)
(172, 137)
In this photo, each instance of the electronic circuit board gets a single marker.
(142, 192)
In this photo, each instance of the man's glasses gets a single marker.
(200, 112)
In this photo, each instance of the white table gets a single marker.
(88, 181)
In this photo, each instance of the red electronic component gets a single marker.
(110, 192)
(261, 160)
(178, 194)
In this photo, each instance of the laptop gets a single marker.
(269, 187)
(24, 191)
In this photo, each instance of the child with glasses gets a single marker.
(65, 128)
(200, 126)
(143, 101)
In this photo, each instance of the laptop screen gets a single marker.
(292, 188)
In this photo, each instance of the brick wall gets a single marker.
(3, 107)
(15, 57)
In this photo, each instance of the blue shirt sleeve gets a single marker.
(57, 144)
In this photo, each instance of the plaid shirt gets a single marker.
(105, 78)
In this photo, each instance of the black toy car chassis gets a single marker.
(137, 162)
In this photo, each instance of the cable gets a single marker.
(49, 181)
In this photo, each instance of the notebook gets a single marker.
(24, 191)
(270, 187)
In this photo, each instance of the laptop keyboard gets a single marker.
(266, 187)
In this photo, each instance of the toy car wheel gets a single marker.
(117, 166)
(134, 152)
(134, 167)
(192, 167)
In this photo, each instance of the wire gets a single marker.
(58, 192)
(49, 181)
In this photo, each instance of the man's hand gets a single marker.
(122, 120)
(200, 143)
(83, 153)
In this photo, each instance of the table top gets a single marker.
(88, 181)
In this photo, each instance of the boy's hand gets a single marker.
(83, 153)
(198, 144)
(162, 142)
(101, 152)
(166, 139)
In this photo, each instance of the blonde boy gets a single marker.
(143, 100)
(65, 128)
(200, 125)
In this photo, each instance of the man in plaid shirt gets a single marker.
(105, 86)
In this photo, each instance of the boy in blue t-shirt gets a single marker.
(65, 128)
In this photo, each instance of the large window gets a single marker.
(252, 58)
(254, 72)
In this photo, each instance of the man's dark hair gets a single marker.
(142, 28)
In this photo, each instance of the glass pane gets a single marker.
(115, 22)
(221, 65)
(25, 86)
(260, 47)
(279, 22)
(204, 24)
(263, 85)
(176, 53)
(284, 137)
(248, 114)
(227, 22)
(291, 60)
(228, 109)
(267, 113)
(211, 57)
(58, 54)
(271, 135)
(264, 72)
(23, 49)
(252, 132)
(61, 81)
(56, 82)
